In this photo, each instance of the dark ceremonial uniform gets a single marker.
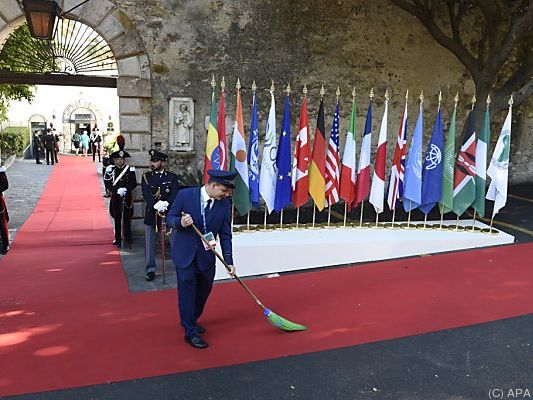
(50, 147)
(156, 186)
(37, 146)
(4, 217)
(121, 207)
(195, 266)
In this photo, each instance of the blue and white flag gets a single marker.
(432, 171)
(412, 187)
(269, 172)
(253, 155)
(283, 163)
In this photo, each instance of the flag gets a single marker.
(222, 143)
(398, 165)
(412, 190)
(349, 164)
(211, 145)
(283, 162)
(332, 161)
(481, 164)
(432, 171)
(362, 187)
(377, 191)
(241, 193)
(317, 168)
(499, 167)
(253, 158)
(464, 187)
(300, 163)
(446, 201)
(269, 172)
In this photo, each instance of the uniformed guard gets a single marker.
(159, 188)
(4, 216)
(120, 181)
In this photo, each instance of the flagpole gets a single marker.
(314, 214)
(441, 218)
(232, 212)
(361, 217)
(457, 224)
(297, 216)
(329, 215)
(265, 223)
(248, 222)
(281, 219)
(425, 221)
(474, 220)
(491, 221)
(377, 219)
(409, 215)
(393, 215)
(345, 212)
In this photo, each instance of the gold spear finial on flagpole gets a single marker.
(387, 97)
(473, 100)
(511, 101)
(421, 97)
(288, 90)
(322, 92)
(488, 99)
(338, 93)
(272, 87)
(456, 98)
(223, 84)
(440, 97)
(305, 90)
(407, 95)
(238, 85)
(213, 82)
(371, 95)
(353, 93)
(254, 86)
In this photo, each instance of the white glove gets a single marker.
(161, 206)
(122, 191)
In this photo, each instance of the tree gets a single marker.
(493, 39)
(9, 92)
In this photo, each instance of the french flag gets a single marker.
(362, 188)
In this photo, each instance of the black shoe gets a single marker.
(4, 250)
(201, 329)
(150, 277)
(196, 341)
(38, 162)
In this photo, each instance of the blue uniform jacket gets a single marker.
(186, 243)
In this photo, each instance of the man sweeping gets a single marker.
(209, 208)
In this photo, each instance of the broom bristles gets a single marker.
(282, 323)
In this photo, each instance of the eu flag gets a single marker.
(283, 163)
(432, 171)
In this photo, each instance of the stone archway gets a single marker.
(67, 115)
(134, 86)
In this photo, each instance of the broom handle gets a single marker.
(258, 302)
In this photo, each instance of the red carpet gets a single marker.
(67, 318)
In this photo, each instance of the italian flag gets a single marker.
(349, 164)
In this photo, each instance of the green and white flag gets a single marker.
(481, 163)
(446, 202)
(498, 170)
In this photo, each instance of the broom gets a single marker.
(275, 319)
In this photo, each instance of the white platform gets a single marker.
(267, 252)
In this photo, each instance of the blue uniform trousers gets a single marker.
(149, 246)
(194, 286)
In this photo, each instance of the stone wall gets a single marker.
(346, 43)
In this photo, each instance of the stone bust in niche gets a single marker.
(183, 126)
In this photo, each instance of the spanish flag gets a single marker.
(317, 169)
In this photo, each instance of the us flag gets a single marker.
(332, 162)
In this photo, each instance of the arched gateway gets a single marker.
(132, 63)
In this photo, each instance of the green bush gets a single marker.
(13, 140)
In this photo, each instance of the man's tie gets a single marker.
(208, 207)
